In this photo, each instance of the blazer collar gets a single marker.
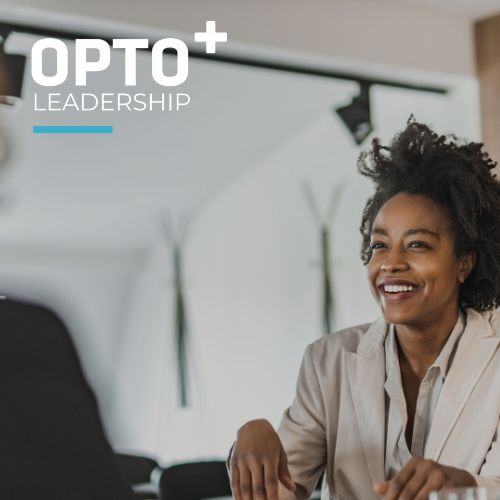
(374, 337)
(477, 324)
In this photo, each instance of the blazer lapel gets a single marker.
(366, 371)
(475, 349)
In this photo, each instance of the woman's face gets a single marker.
(414, 273)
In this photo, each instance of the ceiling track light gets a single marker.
(356, 116)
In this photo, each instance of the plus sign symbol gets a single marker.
(210, 37)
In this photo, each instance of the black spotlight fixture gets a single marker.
(356, 115)
(12, 66)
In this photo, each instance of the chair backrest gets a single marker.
(194, 481)
(134, 469)
(52, 443)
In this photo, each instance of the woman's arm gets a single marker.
(303, 429)
(419, 477)
(261, 459)
(257, 462)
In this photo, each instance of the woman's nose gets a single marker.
(394, 262)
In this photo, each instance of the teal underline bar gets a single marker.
(72, 129)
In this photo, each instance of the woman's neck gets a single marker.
(420, 344)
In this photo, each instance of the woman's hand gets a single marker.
(257, 462)
(419, 477)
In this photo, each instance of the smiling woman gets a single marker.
(408, 404)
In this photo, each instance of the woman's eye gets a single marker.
(377, 245)
(418, 244)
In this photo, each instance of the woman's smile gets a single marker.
(397, 290)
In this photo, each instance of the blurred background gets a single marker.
(193, 255)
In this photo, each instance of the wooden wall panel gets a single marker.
(487, 42)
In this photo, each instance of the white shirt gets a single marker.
(397, 453)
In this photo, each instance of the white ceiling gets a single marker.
(432, 35)
(470, 8)
(473, 9)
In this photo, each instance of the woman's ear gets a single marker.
(466, 265)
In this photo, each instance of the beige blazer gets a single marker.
(337, 420)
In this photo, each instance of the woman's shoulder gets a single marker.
(345, 340)
(494, 321)
(484, 323)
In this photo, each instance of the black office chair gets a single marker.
(195, 481)
(136, 471)
(52, 443)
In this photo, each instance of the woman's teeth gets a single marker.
(398, 288)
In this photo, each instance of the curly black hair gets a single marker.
(456, 175)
